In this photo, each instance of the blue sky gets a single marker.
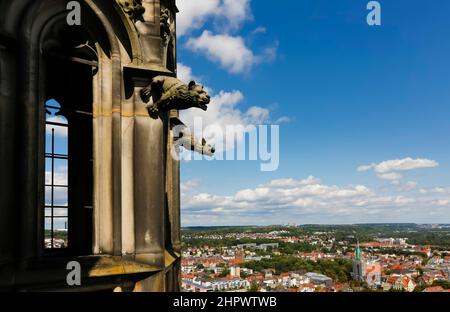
(345, 95)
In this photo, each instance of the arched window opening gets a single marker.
(69, 72)
(56, 177)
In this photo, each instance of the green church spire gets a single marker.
(357, 251)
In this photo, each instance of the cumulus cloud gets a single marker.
(217, 42)
(223, 116)
(292, 182)
(256, 113)
(400, 165)
(190, 185)
(60, 176)
(364, 168)
(442, 202)
(227, 15)
(230, 52)
(60, 131)
(309, 200)
(184, 73)
(223, 112)
(387, 170)
(390, 176)
(272, 196)
(235, 12)
(441, 190)
(194, 13)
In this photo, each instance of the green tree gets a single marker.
(253, 287)
(225, 273)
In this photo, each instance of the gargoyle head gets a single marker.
(207, 149)
(201, 97)
(171, 93)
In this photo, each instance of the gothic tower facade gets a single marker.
(85, 172)
(359, 265)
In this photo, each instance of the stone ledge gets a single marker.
(95, 270)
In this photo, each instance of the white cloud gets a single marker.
(190, 185)
(217, 41)
(404, 200)
(230, 52)
(309, 200)
(223, 112)
(227, 15)
(292, 182)
(60, 131)
(387, 170)
(440, 190)
(282, 120)
(442, 202)
(259, 30)
(364, 168)
(60, 176)
(194, 13)
(391, 176)
(400, 165)
(184, 73)
(259, 114)
(236, 11)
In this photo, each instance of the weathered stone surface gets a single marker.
(135, 183)
(171, 93)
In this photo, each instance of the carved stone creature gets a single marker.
(133, 8)
(171, 93)
(167, 30)
(184, 138)
(164, 24)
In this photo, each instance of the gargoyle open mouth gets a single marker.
(203, 107)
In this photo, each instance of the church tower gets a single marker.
(87, 183)
(359, 265)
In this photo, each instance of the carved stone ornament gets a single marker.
(165, 24)
(171, 93)
(167, 31)
(184, 138)
(133, 8)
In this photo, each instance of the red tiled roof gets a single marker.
(309, 285)
(235, 261)
(188, 276)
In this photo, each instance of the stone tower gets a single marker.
(120, 219)
(358, 265)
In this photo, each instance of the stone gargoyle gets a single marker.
(183, 137)
(133, 8)
(171, 93)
